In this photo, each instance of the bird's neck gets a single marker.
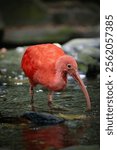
(60, 80)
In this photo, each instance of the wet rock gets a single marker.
(20, 49)
(77, 47)
(42, 119)
(36, 118)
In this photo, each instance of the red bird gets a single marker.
(48, 65)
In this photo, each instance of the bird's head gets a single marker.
(67, 65)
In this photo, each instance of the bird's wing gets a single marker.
(41, 57)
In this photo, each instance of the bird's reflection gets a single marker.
(51, 137)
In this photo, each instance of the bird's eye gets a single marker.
(68, 66)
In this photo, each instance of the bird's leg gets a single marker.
(50, 95)
(32, 100)
(31, 93)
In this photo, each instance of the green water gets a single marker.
(74, 134)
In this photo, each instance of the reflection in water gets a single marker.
(56, 137)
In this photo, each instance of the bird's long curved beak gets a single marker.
(77, 78)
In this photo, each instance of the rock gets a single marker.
(20, 49)
(42, 119)
(89, 47)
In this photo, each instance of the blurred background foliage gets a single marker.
(39, 21)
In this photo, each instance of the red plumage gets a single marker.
(39, 62)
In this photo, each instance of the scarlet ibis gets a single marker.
(48, 65)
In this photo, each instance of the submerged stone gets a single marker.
(42, 119)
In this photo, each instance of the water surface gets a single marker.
(80, 130)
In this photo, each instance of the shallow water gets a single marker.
(77, 133)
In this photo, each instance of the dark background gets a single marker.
(39, 21)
